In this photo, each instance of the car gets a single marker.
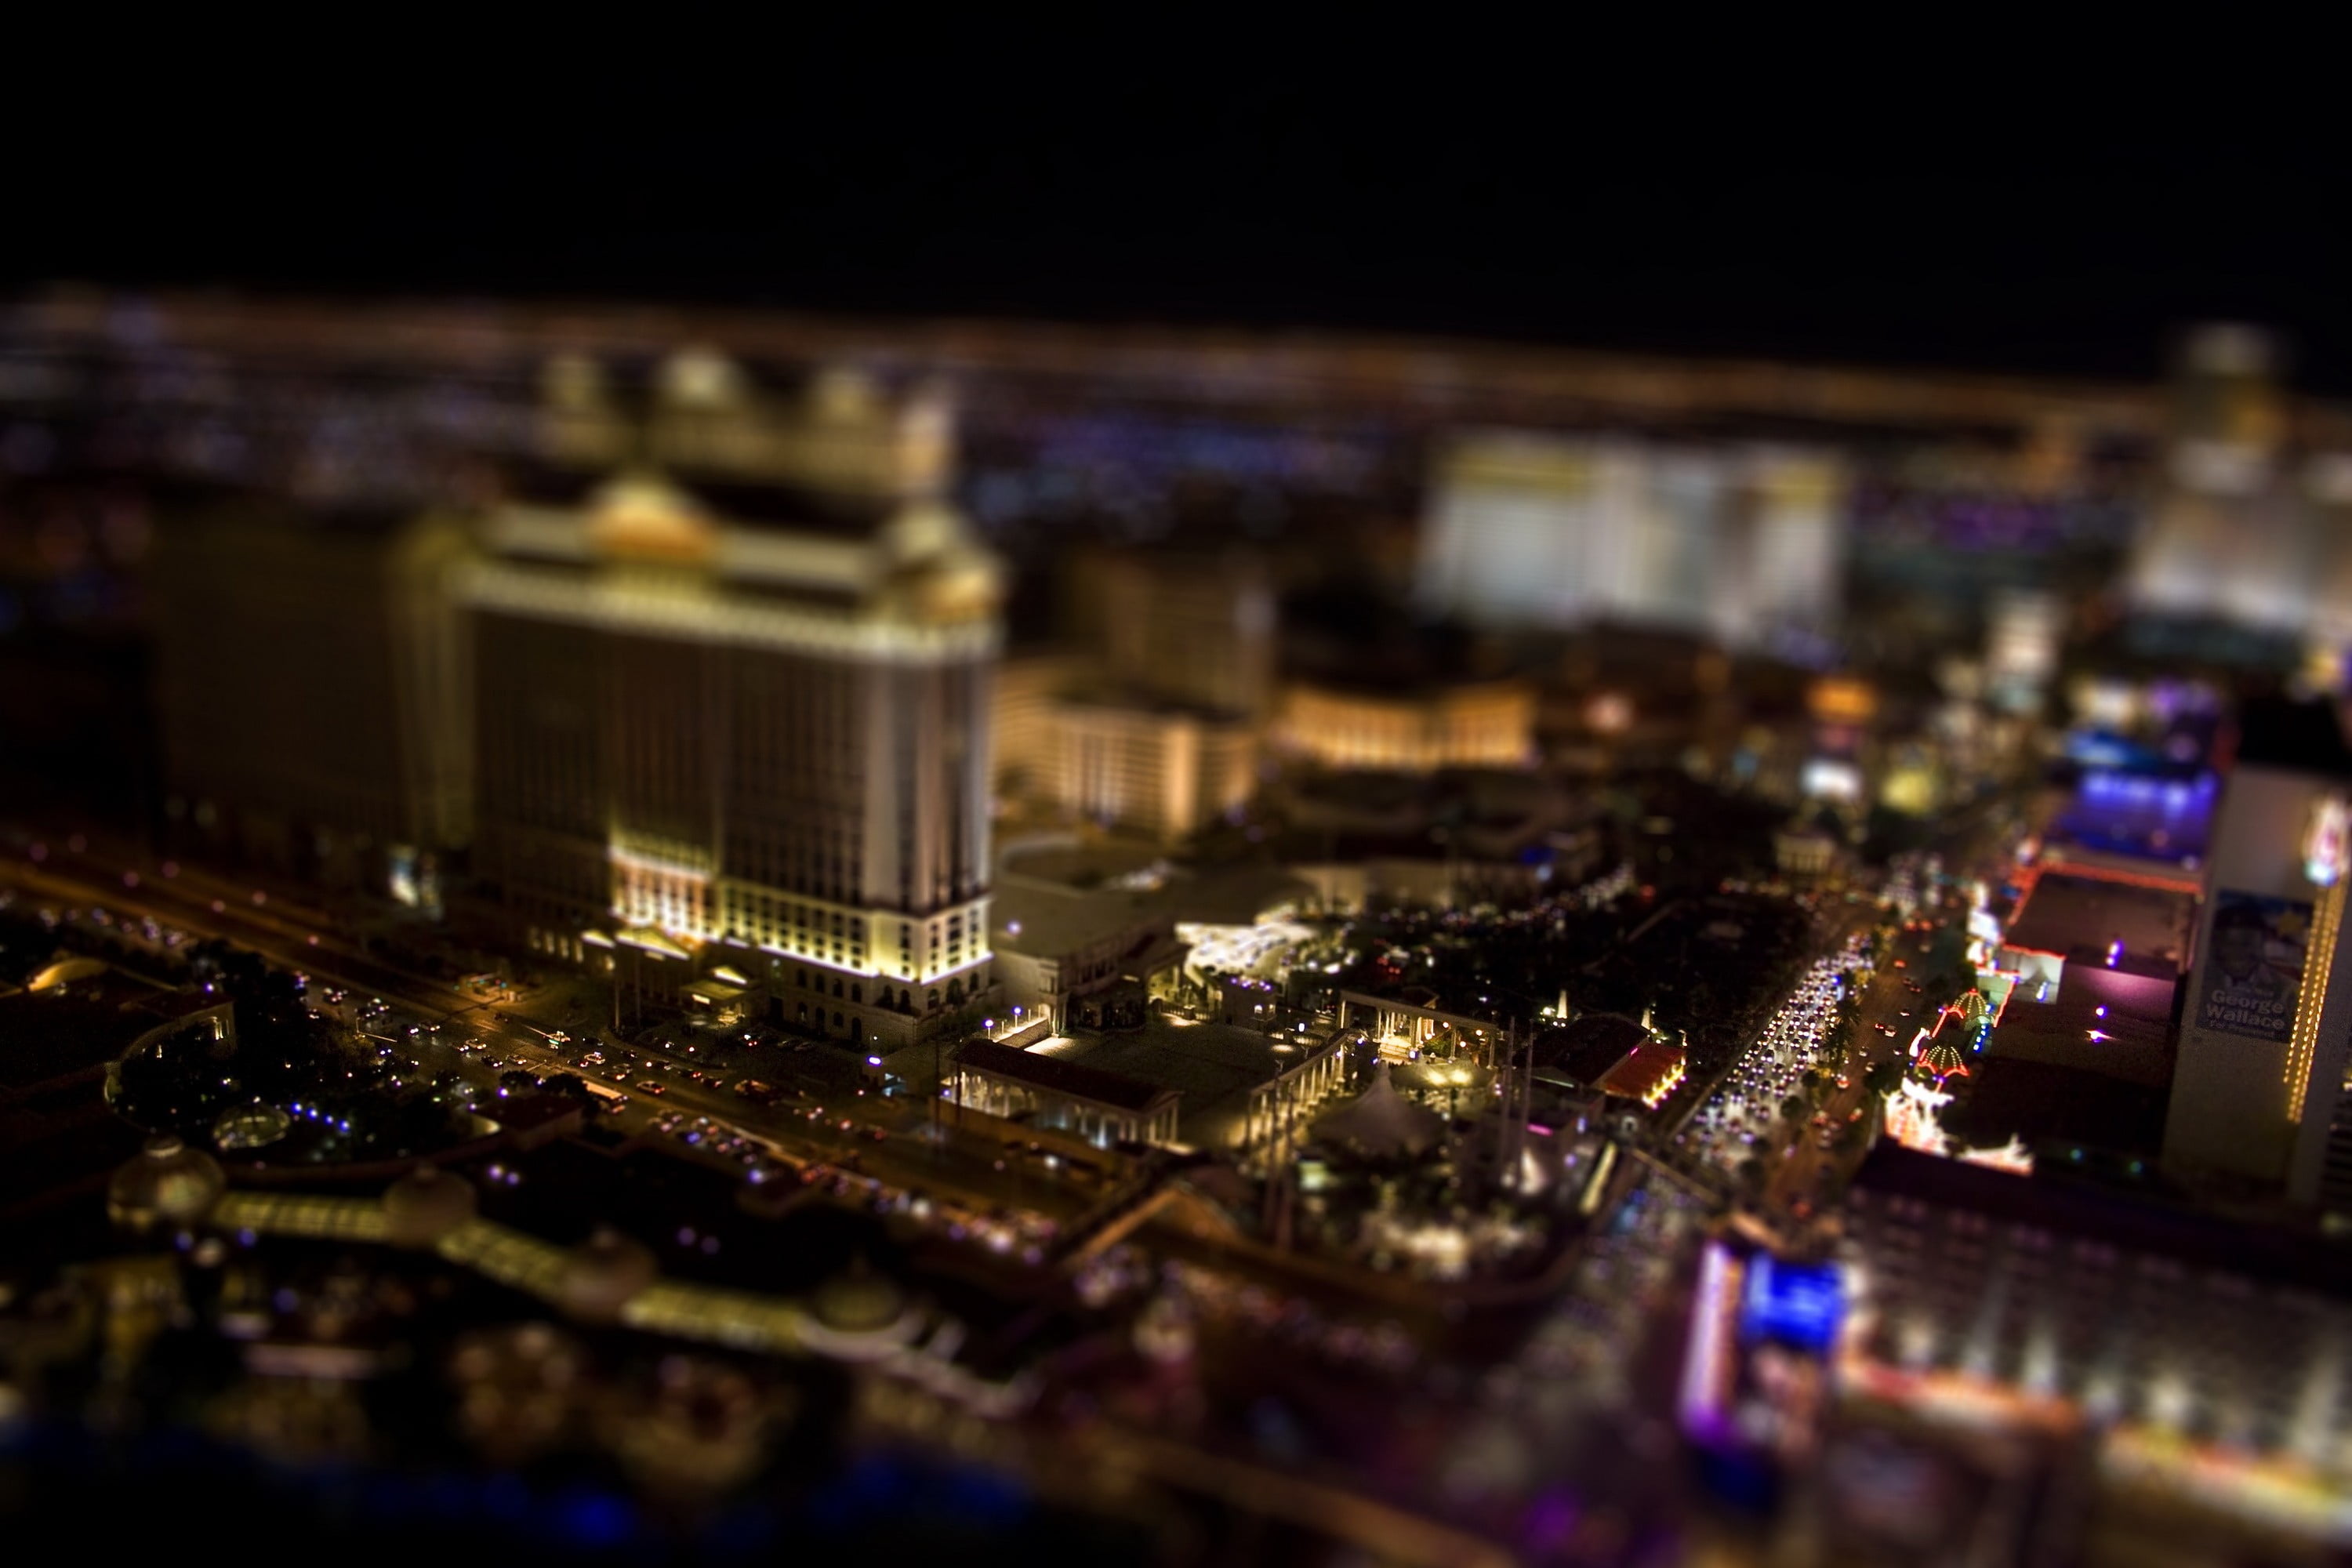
(647, 1085)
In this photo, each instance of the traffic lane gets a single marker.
(237, 912)
(993, 1178)
(1887, 999)
(285, 943)
(116, 858)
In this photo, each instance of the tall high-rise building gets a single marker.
(2262, 1036)
(310, 688)
(2249, 526)
(695, 730)
(1538, 530)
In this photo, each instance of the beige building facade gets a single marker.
(742, 742)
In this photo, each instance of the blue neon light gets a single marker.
(1798, 1304)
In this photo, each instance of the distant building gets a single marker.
(743, 742)
(1191, 629)
(1528, 531)
(1480, 724)
(311, 691)
(841, 434)
(1165, 773)
(1801, 849)
(1022, 721)
(2023, 636)
(1154, 724)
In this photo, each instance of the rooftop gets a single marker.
(2063, 1206)
(1214, 1066)
(2073, 915)
(1058, 897)
(1058, 1074)
(2113, 1021)
(1588, 1050)
(1642, 1071)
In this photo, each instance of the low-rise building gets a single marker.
(1103, 1108)
(2047, 1300)
(1476, 724)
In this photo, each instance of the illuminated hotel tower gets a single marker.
(743, 747)
(2263, 1035)
(1541, 530)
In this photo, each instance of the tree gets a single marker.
(572, 1087)
(515, 1080)
(1838, 1040)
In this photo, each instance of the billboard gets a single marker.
(2253, 967)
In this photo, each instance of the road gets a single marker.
(1807, 1174)
(1800, 1179)
(976, 1172)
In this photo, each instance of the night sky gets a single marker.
(1873, 200)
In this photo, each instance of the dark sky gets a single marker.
(1856, 204)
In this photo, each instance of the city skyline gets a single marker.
(724, 933)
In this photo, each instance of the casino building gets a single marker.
(753, 750)
(2259, 1081)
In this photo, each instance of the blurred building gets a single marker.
(1022, 722)
(1152, 724)
(2223, 541)
(1164, 772)
(2024, 634)
(2248, 527)
(696, 731)
(2045, 1303)
(1198, 629)
(311, 691)
(840, 434)
(2263, 1038)
(1470, 724)
(1544, 532)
